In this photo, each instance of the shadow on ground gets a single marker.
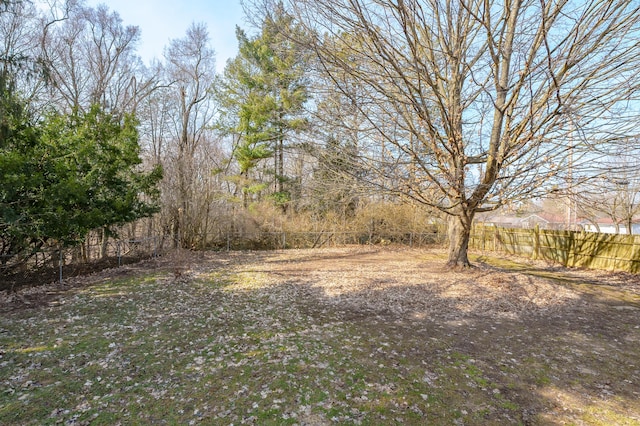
(385, 336)
(577, 362)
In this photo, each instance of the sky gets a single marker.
(164, 20)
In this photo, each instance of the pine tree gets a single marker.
(263, 92)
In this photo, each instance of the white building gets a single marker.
(607, 226)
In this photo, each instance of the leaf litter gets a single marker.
(314, 337)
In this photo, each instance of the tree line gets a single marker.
(330, 111)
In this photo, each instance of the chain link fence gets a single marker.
(300, 240)
(55, 264)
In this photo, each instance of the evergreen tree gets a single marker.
(68, 175)
(263, 92)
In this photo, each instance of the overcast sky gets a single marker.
(162, 20)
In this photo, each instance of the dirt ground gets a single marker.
(563, 344)
(559, 346)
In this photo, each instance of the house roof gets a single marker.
(514, 220)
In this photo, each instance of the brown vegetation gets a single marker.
(369, 334)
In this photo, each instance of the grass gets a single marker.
(226, 348)
(145, 350)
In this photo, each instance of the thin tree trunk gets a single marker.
(280, 171)
(104, 241)
(595, 224)
(176, 231)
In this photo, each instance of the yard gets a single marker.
(366, 336)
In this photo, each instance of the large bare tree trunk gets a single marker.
(459, 232)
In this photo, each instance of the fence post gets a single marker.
(484, 237)
(228, 242)
(472, 244)
(118, 252)
(633, 262)
(536, 242)
(284, 240)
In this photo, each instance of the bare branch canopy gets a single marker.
(477, 103)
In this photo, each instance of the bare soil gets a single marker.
(548, 345)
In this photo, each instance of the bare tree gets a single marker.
(338, 123)
(190, 69)
(615, 195)
(18, 36)
(91, 59)
(155, 112)
(473, 102)
(23, 27)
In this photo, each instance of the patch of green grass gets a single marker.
(231, 347)
(509, 405)
(604, 416)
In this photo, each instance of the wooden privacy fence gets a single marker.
(568, 248)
